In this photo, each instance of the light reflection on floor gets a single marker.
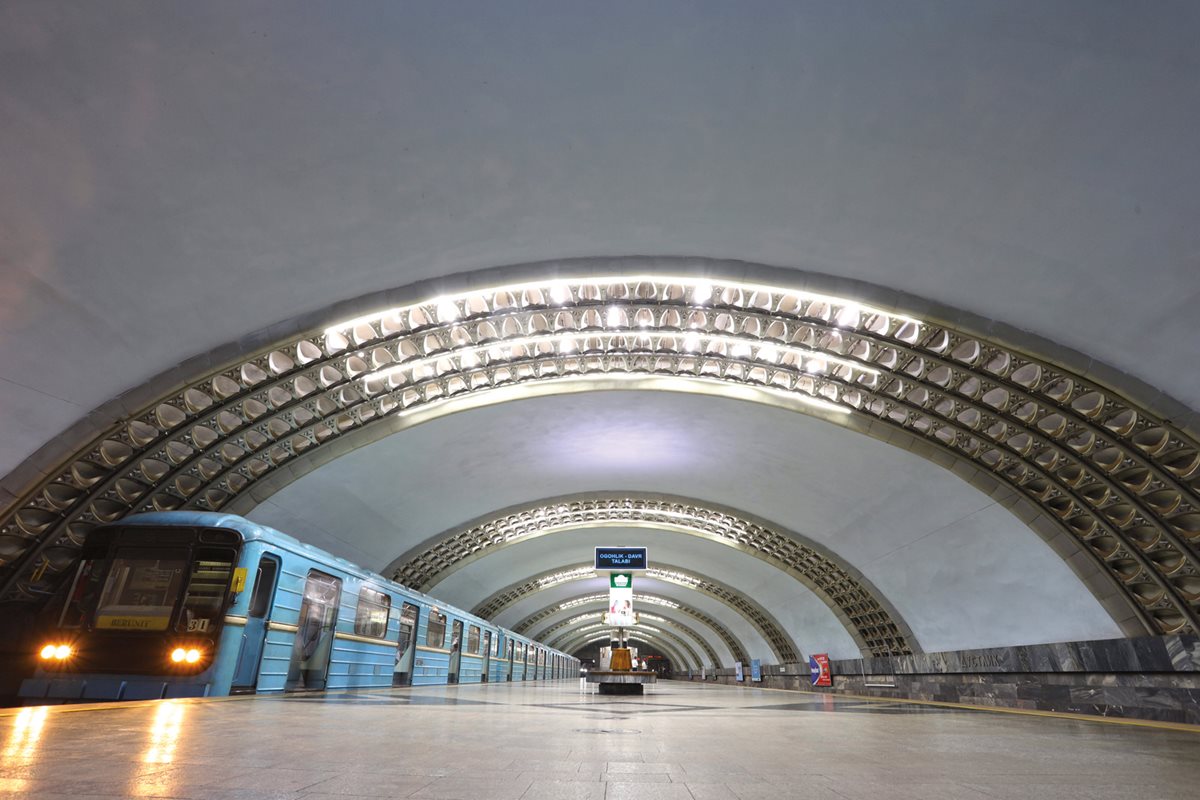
(164, 732)
(25, 733)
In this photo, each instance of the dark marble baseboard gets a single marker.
(1035, 691)
(1151, 678)
(1143, 654)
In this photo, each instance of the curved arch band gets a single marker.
(1116, 478)
(658, 618)
(872, 622)
(673, 645)
(654, 640)
(735, 647)
(764, 622)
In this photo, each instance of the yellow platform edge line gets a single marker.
(118, 705)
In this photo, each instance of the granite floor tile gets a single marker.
(1059, 791)
(292, 779)
(564, 790)
(534, 765)
(710, 791)
(795, 791)
(525, 741)
(370, 784)
(472, 789)
(591, 776)
(636, 777)
(862, 790)
(640, 767)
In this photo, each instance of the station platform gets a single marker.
(531, 741)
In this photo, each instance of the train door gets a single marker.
(455, 651)
(254, 634)
(512, 656)
(409, 615)
(309, 668)
(487, 655)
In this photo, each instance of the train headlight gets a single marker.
(186, 655)
(56, 652)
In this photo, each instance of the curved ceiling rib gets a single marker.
(874, 624)
(730, 641)
(657, 641)
(577, 623)
(763, 621)
(1092, 471)
(664, 640)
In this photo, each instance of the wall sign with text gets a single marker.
(620, 558)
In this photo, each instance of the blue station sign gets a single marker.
(620, 558)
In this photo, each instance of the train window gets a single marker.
(264, 586)
(435, 630)
(408, 624)
(473, 639)
(141, 590)
(372, 616)
(208, 590)
(83, 592)
(496, 645)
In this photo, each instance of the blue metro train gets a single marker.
(195, 604)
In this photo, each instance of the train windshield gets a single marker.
(141, 590)
(208, 589)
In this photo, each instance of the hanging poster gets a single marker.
(756, 670)
(620, 601)
(737, 671)
(818, 665)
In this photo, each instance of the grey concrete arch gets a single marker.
(657, 641)
(660, 594)
(782, 645)
(661, 606)
(1111, 477)
(689, 641)
(866, 614)
(686, 637)
(661, 641)
(665, 641)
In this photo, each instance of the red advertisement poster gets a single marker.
(818, 665)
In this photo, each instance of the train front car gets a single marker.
(144, 616)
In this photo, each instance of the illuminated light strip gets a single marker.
(702, 289)
(564, 577)
(579, 601)
(559, 338)
(641, 598)
(720, 386)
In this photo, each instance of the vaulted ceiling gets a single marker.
(364, 274)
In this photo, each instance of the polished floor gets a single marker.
(526, 742)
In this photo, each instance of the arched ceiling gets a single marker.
(782, 647)
(189, 188)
